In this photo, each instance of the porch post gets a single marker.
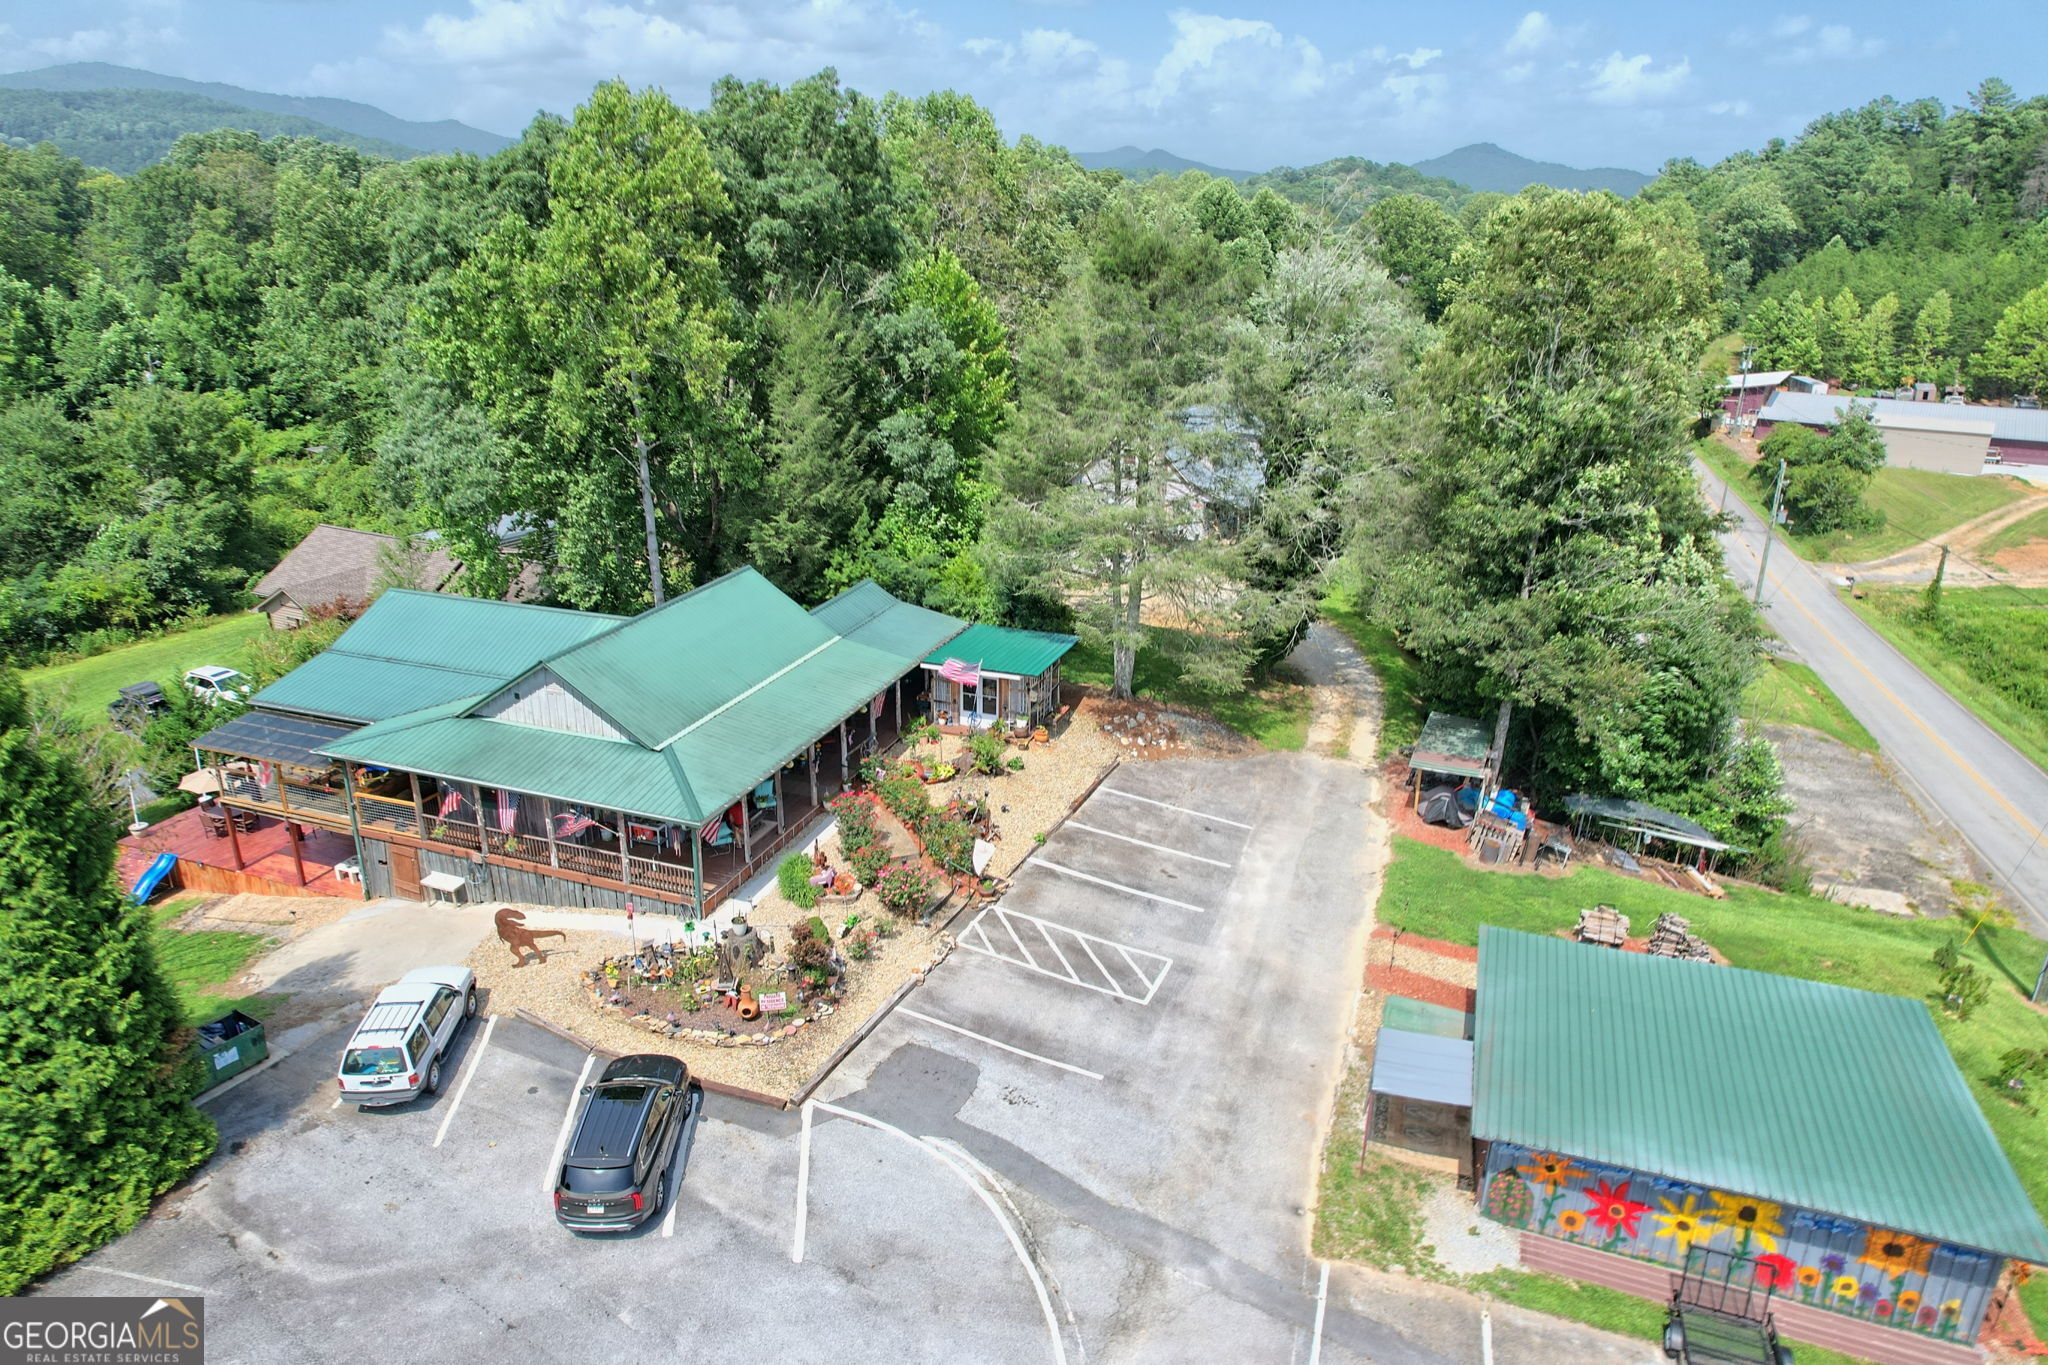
(843, 767)
(291, 832)
(811, 767)
(697, 866)
(899, 706)
(419, 807)
(746, 835)
(625, 863)
(872, 736)
(283, 804)
(781, 811)
(547, 822)
(355, 826)
(234, 839)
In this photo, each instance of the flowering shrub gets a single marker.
(904, 889)
(856, 820)
(985, 748)
(951, 844)
(866, 862)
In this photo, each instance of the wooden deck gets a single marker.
(208, 864)
(1797, 1322)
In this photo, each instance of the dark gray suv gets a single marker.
(615, 1173)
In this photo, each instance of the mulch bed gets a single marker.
(1415, 986)
(1438, 946)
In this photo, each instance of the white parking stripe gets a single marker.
(1315, 1349)
(1051, 866)
(803, 1186)
(1184, 810)
(147, 1279)
(476, 1059)
(1142, 843)
(976, 938)
(992, 1042)
(548, 1177)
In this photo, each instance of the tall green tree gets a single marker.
(599, 340)
(1561, 562)
(2018, 351)
(94, 1119)
(1933, 333)
(1417, 240)
(1101, 472)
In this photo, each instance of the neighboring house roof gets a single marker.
(1764, 379)
(1837, 1100)
(334, 563)
(415, 649)
(711, 690)
(1001, 649)
(1825, 409)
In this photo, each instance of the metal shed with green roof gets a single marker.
(1645, 1106)
(990, 675)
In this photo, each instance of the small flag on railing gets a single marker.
(962, 672)
(571, 823)
(451, 801)
(508, 811)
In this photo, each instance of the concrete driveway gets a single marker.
(1991, 792)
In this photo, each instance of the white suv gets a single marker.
(211, 682)
(397, 1050)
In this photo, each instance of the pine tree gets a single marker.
(94, 1115)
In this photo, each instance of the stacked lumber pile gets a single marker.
(1673, 937)
(1604, 925)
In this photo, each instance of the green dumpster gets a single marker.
(230, 1045)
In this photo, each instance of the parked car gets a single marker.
(211, 682)
(137, 705)
(398, 1050)
(615, 1170)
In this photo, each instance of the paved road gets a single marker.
(1960, 766)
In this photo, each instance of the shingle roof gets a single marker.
(414, 649)
(1825, 409)
(1837, 1100)
(336, 562)
(1003, 649)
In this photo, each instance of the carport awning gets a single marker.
(1421, 1066)
(274, 738)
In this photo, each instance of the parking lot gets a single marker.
(1090, 1136)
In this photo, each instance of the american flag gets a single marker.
(508, 810)
(875, 706)
(571, 823)
(962, 672)
(451, 802)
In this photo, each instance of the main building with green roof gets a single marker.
(552, 756)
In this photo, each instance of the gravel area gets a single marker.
(290, 914)
(1038, 798)
(1391, 952)
(1465, 1243)
(555, 991)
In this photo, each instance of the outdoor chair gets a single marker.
(245, 821)
(216, 823)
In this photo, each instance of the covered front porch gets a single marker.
(497, 841)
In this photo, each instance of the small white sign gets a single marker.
(774, 1002)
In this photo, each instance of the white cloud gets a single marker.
(1420, 57)
(134, 37)
(1800, 41)
(1729, 108)
(1629, 80)
(1533, 32)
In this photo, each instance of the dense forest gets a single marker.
(838, 337)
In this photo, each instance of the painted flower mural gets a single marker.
(1612, 1210)
(1809, 1277)
(1845, 1287)
(1895, 1253)
(1774, 1271)
(1507, 1200)
(1683, 1224)
(1751, 1222)
(1570, 1221)
(1550, 1170)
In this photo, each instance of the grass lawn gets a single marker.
(200, 961)
(1403, 711)
(2025, 531)
(1787, 693)
(163, 659)
(1987, 652)
(1430, 891)
(1918, 505)
(1274, 712)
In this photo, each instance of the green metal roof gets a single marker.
(1838, 1100)
(1002, 649)
(417, 649)
(714, 690)
(868, 613)
(1453, 744)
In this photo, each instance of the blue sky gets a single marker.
(1240, 86)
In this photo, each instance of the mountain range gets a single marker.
(347, 116)
(1484, 166)
(1142, 165)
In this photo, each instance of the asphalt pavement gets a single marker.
(1958, 765)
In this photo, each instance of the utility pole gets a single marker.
(1770, 530)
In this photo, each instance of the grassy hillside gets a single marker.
(1786, 693)
(1987, 648)
(92, 683)
(125, 130)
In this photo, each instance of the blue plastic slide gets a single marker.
(147, 883)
